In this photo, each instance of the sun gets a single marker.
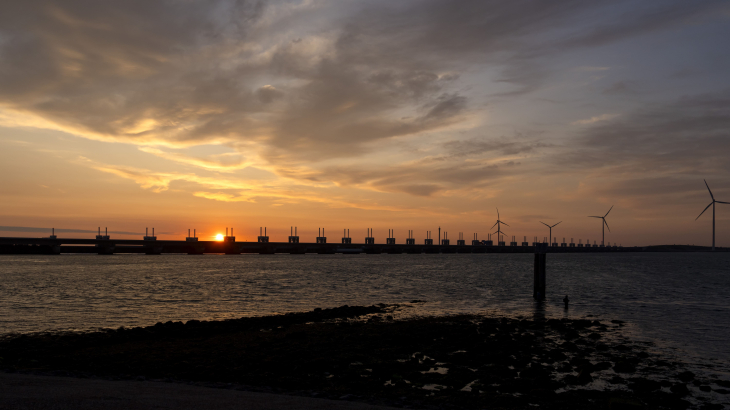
(219, 237)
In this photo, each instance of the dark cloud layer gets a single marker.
(658, 155)
(246, 72)
(691, 135)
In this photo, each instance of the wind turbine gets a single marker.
(498, 224)
(713, 213)
(550, 238)
(604, 225)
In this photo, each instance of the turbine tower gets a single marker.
(498, 224)
(551, 230)
(604, 225)
(713, 213)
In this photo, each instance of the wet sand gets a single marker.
(22, 391)
(360, 354)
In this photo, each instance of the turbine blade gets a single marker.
(557, 224)
(495, 224)
(608, 211)
(497, 212)
(720, 202)
(708, 188)
(703, 211)
(504, 224)
(595, 217)
(545, 224)
(609, 229)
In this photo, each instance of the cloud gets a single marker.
(306, 90)
(620, 87)
(593, 120)
(237, 190)
(220, 163)
(268, 93)
(504, 146)
(590, 69)
(687, 137)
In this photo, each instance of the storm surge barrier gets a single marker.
(106, 246)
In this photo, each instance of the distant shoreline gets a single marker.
(360, 353)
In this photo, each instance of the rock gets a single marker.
(557, 355)
(722, 391)
(624, 366)
(579, 361)
(569, 347)
(722, 383)
(602, 366)
(548, 393)
(564, 367)
(571, 335)
(601, 347)
(680, 389)
(642, 385)
(621, 403)
(617, 380)
(581, 380)
(686, 376)
(705, 388)
(712, 406)
(585, 377)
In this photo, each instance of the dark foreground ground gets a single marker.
(361, 354)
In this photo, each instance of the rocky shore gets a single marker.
(360, 353)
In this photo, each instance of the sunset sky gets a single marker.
(365, 114)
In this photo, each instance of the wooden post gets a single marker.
(540, 259)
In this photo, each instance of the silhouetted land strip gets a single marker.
(120, 246)
(360, 353)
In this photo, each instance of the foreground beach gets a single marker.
(360, 354)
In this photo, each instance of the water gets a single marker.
(679, 301)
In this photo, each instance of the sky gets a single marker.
(338, 114)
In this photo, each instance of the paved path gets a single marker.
(22, 391)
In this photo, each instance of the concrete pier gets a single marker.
(293, 237)
(148, 237)
(538, 291)
(263, 237)
(193, 238)
(410, 240)
(369, 239)
(321, 239)
(346, 237)
(391, 238)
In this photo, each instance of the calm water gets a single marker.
(679, 301)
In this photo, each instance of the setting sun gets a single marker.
(219, 237)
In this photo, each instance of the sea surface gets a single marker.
(679, 301)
